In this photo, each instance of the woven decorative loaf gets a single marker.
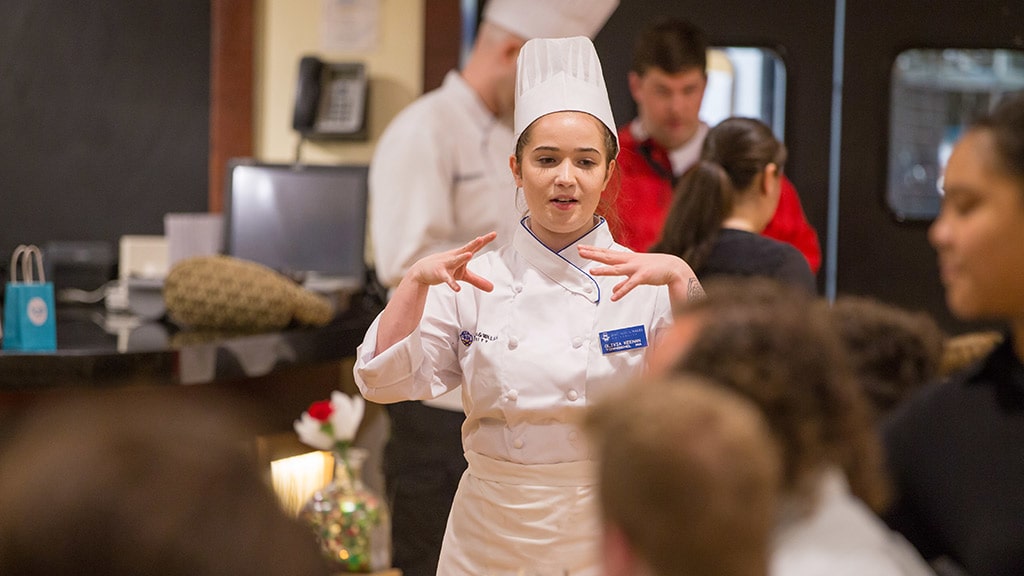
(226, 293)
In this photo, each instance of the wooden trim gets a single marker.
(232, 24)
(442, 37)
(231, 89)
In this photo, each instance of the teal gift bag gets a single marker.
(29, 315)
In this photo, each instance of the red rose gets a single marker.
(321, 410)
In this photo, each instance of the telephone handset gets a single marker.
(330, 100)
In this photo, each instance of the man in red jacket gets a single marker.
(667, 82)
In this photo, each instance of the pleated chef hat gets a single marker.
(559, 75)
(550, 18)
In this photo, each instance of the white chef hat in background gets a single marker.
(550, 18)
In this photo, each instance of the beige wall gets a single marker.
(287, 30)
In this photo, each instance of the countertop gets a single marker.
(96, 348)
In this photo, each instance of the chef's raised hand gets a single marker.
(449, 267)
(405, 308)
(644, 268)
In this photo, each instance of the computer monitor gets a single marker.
(305, 221)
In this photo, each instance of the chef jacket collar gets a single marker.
(567, 267)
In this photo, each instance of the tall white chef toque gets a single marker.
(560, 75)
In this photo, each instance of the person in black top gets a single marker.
(723, 203)
(956, 450)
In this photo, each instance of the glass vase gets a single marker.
(351, 522)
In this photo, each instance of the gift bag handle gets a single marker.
(15, 258)
(26, 254)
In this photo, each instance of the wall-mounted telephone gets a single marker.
(330, 101)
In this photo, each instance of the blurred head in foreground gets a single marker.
(688, 480)
(133, 483)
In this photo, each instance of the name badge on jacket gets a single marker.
(623, 339)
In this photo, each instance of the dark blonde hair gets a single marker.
(688, 471)
(772, 344)
(735, 152)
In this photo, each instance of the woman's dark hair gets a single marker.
(1006, 124)
(735, 152)
(773, 344)
(892, 350)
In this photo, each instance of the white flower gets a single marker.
(331, 424)
(310, 431)
(347, 414)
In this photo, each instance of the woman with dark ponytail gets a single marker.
(723, 203)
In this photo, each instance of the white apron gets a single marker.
(509, 519)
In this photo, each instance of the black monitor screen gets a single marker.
(306, 221)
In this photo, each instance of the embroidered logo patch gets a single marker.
(466, 338)
(623, 339)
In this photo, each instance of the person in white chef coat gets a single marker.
(439, 175)
(439, 178)
(533, 331)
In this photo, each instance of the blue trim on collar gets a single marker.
(600, 221)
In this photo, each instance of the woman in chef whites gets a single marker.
(534, 331)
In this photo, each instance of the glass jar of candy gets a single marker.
(351, 521)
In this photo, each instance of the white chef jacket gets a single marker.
(842, 537)
(529, 353)
(439, 178)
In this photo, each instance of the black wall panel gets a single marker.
(878, 255)
(104, 113)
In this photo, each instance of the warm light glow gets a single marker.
(296, 478)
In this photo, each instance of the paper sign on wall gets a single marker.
(349, 25)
